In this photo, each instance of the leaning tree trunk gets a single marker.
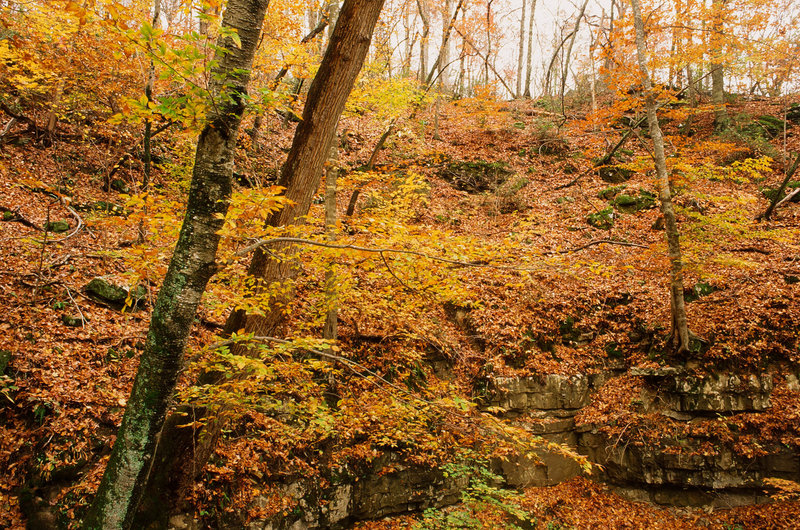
(303, 169)
(191, 267)
(568, 55)
(680, 329)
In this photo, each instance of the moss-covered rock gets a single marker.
(604, 219)
(699, 290)
(73, 321)
(793, 113)
(5, 359)
(615, 174)
(770, 193)
(772, 125)
(610, 192)
(476, 176)
(104, 291)
(627, 203)
(120, 185)
(624, 200)
(57, 227)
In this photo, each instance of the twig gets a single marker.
(574, 181)
(263, 242)
(69, 208)
(80, 313)
(388, 268)
(598, 242)
(788, 198)
(776, 200)
(607, 157)
(17, 218)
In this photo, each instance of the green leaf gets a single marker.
(236, 40)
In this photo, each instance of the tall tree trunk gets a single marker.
(422, 8)
(445, 43)
(303, 169)
(486, 61)
(409, 40)
(445, 59)
(680, 329)
(192, 265)
(148, 124)
(565, 69)
(488, 40)
(529, 58)
(593, 79)
(521, 56)
(330, 329)
(333, 16)
(716, 66)
(678, 34)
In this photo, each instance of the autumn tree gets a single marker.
(191, 267)
(680, 330)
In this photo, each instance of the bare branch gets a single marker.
(263, 242)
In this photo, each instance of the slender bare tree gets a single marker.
(680, 329)
(529, 58)
(521, 56)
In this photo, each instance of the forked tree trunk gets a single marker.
(680, 329)
(445, 43)
(192, 265)
(568, 55)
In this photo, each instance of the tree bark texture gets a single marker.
(680, 330)
(303, 169)
(568, 55)
(191, 267)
